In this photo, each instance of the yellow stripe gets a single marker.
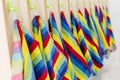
(72, 44)
(48, 47)
(57, 39)
(93, 48)
(80, 74)
(100, 31)
(35, 53)
(58, 64)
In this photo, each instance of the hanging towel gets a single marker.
(80, 65)
(17, 57)
(70, 74)
(101, 34)
(40, 68)
(94, 34)
(56, 61)
(79, 37)
(28, 66)
(112, 39)
(103, 24)
(91, 41)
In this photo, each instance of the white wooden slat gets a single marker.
(5, 69)
(92, 5)
(73, 6)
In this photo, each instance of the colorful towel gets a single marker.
(101, 34)
(80, 65)
(40, 68)
(56, 61)
(17, 56)
(69, 75)
(79, 37)
(91, 39)
(28, 66)
(102, 21)
(112, 39)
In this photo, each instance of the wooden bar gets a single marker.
(5, 72)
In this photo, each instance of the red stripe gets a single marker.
(78, 79)
(92, 42)
(45, 42)
(86, 12)
(32, 46)
(102, 18)
(38, 22)
(75, 53)
(19, 29)
(64, 78)
(97, 64)
(55, 58)
(43, 76)
(52, 75)
(79, 11)
(77, 41)
(85, 49)
(59, 47)
(78, 28)
(108, 38)
(62, 13)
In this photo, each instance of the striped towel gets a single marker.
(79, 37)
(103, 24)
(17, 57)
(112, 39)
(69, 75)
(81, 67)
(91, 39)
(28, 66)
(101, 34)
(40, 68)
(56, 61)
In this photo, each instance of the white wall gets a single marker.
(111, 69)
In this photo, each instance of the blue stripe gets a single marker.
(34, 23)
(41, 71)
(62, 71)
(95, 58)
(29, 39)
(79, 64)
(82, 46)
(39, 65)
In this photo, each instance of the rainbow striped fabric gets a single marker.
(103, 39)
(95, 37)
(79, 37)
(91, 40)
(112, 40)
(69, 75)
(40, 68)
(80, 65)
(28, 66)
(103, 24)
(17, 57)
(56, 61)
